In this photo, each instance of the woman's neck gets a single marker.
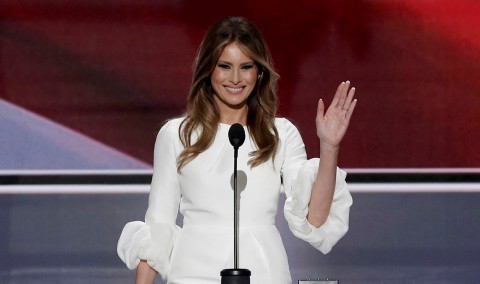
(234, 116)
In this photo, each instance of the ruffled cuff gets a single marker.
(151, 242)
(296, 209)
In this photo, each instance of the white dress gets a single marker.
(197, 252)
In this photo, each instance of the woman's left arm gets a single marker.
(331, 127)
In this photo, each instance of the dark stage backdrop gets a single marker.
(114, 70)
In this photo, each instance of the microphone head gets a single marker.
(236, 135)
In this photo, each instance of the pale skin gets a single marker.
(144, 273)
(331, 126)
(233, 79)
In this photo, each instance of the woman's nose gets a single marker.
(235, 77)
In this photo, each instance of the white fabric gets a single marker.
(296, 209)
(198, 252)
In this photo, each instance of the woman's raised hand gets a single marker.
(332, 124)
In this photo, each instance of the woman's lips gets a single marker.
(234, 90)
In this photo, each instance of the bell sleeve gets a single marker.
(154, 239)
(298, 175)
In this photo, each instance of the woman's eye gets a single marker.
(224, 66)
(247, 67)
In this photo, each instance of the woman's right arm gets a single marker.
(145, 274)
(152, 241)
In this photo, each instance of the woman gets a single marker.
(234, 82)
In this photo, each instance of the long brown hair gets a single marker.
(202, 115)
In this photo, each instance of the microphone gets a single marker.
(236, 135)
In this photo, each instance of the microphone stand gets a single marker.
(235, 275)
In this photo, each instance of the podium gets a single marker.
(318, 282)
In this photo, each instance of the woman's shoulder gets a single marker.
(170, 127)
(284, 124)
(172, 124)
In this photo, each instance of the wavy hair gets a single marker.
(202, 115)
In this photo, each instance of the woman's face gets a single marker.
(233, 79)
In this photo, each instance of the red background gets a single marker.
(114, 70)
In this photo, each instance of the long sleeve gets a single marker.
(298, 176)
(153, 240)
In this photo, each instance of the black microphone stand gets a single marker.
(235, 275)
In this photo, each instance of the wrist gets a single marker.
(329, 148)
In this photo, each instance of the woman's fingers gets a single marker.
(343, 94)
(338, 93)
(348, 101)
(351, 109)
(320, 109)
